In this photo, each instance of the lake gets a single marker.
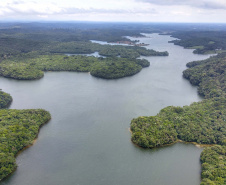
(87, 142)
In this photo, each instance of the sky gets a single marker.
(207, 11)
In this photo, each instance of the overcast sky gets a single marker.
(115, 10)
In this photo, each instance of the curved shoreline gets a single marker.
(178, 141)
(39, 117)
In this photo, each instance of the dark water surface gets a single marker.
(87, 142)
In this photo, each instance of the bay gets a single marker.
(88, 139)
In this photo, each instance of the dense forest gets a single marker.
(5, 99)
(209, 75)
(213, 161)
(25, 68)
(203, 42)
(26, 52)
(29, 49)
(202, 122)
(18, 129)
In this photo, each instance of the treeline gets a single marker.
(202, 122)
(69, 38)
(202, 41)
(12, 46)
(18, 129)
(66, 34)
(104, 50)
(26, 68)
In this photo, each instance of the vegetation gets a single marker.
(115, 68)
(202, 122)
(209, 75)
(213, 161)
(73, 40)
(32, 68)
(26, 52)
(5, 99)
(18, 129)
(202, 41)
(20, 71)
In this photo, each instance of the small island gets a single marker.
(130, 43)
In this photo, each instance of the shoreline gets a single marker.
(198, 145)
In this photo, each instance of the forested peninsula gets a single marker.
(18, 129)
(202, 122)
(203, 42)
(23, 68)
(28, 54)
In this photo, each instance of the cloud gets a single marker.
(204, 4)
(21, 8)
(115, 10)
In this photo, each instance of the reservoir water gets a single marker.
(87, 141)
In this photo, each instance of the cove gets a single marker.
(88, 141)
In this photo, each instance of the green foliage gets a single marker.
(150, 132)
(202, 122)
(209, 75)
(202, 41)
(18, 129)
(142, 62)
(73, 41)
(213, 161)
(5, 99)
(20, 71)
(115, 68)
(12, 46)
(32, 68)
(88, 47)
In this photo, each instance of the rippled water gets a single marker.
(87, 142)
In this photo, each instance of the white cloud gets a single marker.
(115, 10)
(205, 4)
(23, 8)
